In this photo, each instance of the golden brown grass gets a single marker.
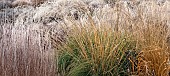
(154, 56)
(100, 42)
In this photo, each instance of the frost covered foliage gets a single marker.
(31, 38)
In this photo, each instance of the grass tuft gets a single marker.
(95, 50)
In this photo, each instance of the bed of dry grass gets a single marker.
(122, 38)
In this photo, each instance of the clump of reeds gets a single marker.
(95, 50)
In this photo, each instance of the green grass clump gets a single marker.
(92, 50)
